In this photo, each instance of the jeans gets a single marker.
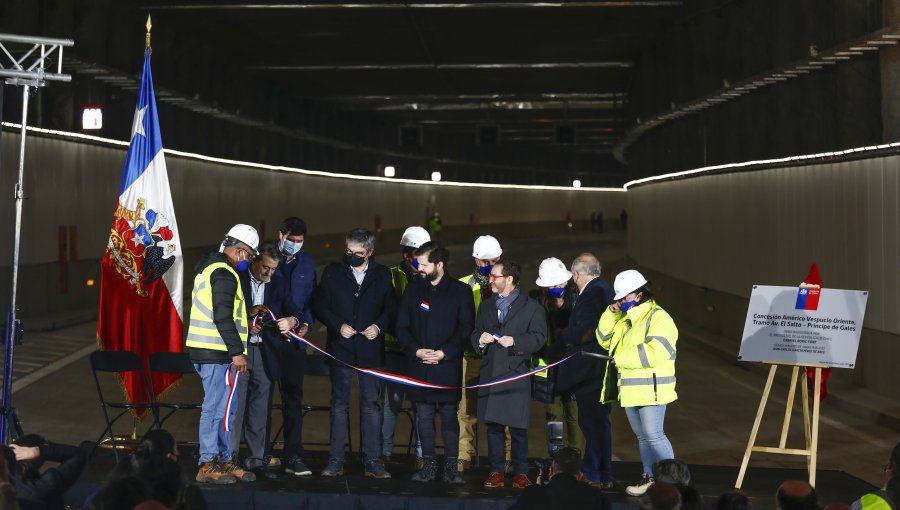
(393, 395)
(213, 438)
(449, 427)
(593, 419)
(647, 424)
(369, 416)
(497, 444)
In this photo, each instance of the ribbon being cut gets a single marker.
(400, 379)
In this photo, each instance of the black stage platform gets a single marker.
(354, 492)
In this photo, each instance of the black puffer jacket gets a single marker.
(224, 287)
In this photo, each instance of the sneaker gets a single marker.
(428, 471)
(334, 468)
(210, 472)
(273, 462)
(495, 480)
(640, 487)
(233, 469)
(295, 466)
(375, 469)
(451, 471)
(521, 481)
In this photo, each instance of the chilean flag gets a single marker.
(141, 272)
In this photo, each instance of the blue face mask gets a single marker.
(486, 270)
(557, 292)
(414, 263)
(243, 265)
(290, 248)
(626, 305)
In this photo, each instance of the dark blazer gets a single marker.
(584, 373)
(300, 280)
(445, 326)
(563, 491)
(508, 404)
(339, 300)
(277, 299)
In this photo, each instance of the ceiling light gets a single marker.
(389, 171)
(436, 176)
(576, 183)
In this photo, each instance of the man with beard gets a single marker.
(434, 321)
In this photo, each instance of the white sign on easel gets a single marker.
(803, 326)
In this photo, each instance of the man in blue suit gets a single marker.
(254, 396)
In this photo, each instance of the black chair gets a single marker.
(171, 363)
(316, 366)
(120, 362)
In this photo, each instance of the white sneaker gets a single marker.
(640, 487)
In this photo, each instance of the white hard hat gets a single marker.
(628, 282)
(245, 234)
(552, 272)
(486, 247)
(414, 237)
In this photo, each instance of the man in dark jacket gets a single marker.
(261, 292)
(355, 300)
(510, 328)
(582, 376)
(217, 342)
(434, 322)
(298, 275)
(563, 490)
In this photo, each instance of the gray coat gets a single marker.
(508, 404)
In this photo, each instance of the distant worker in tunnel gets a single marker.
(641, 337)
(486, 252)
(435, 226)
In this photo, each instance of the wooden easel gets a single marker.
(810, 427)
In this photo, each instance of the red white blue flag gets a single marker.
(807, 299)
(141, 272)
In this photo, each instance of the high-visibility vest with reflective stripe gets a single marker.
(538, 361)
(202, 332)
(643, 344)
(877, 500)
(476, 295)
(399, 280)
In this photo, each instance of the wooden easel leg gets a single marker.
(755, 430)
(789, 408)
(815, 428)
(806, 421)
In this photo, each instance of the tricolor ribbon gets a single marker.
(290, 336)
(231, 385)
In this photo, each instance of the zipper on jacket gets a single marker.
(655, 395)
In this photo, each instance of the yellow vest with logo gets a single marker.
(642, 342)
(399, 280)
(202, 332)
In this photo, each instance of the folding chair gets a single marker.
(121, 362)
(171, 363)
(316, 366)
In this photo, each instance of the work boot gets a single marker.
(210, 472)
(233, 469)
(375, 469)
(640, 487)
(428, 472)
(451, 471)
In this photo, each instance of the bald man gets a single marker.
(796, 495)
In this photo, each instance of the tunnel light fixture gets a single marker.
(436, 176)
(389, 171)
(576, 183)
(91, 117)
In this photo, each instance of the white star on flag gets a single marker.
(138, 126)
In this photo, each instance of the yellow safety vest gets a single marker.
(541, 362)
(399, 280)
(476, 295)
(877, 500)
(642, 342)
(202, 332)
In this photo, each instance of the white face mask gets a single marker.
(290, 248)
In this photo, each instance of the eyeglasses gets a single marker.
(360, 254)
(498, 276)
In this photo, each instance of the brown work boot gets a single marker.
(521, 481)
(495, 480)
(241, 475)
(210, 472)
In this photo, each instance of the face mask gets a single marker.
(415, 263)
(557, 292)
(290, 248)
(243, 265)
(486, 270)
(354, 260)
(626, 305)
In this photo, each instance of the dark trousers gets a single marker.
(292, 359)
(369, 416)
(253, 403)
(593, 419)
(449, 427)
(496, 438)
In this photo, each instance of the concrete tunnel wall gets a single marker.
(71, 183)
(766, 227)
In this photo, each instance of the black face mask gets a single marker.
(354, 260)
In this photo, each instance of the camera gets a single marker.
(554, 443)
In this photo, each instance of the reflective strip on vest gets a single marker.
(645, 381)
(642, 353)
(601, 336)
(665, 343)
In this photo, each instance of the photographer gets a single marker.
(42, 489)
(564, 489)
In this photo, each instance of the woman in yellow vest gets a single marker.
(640, 336)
